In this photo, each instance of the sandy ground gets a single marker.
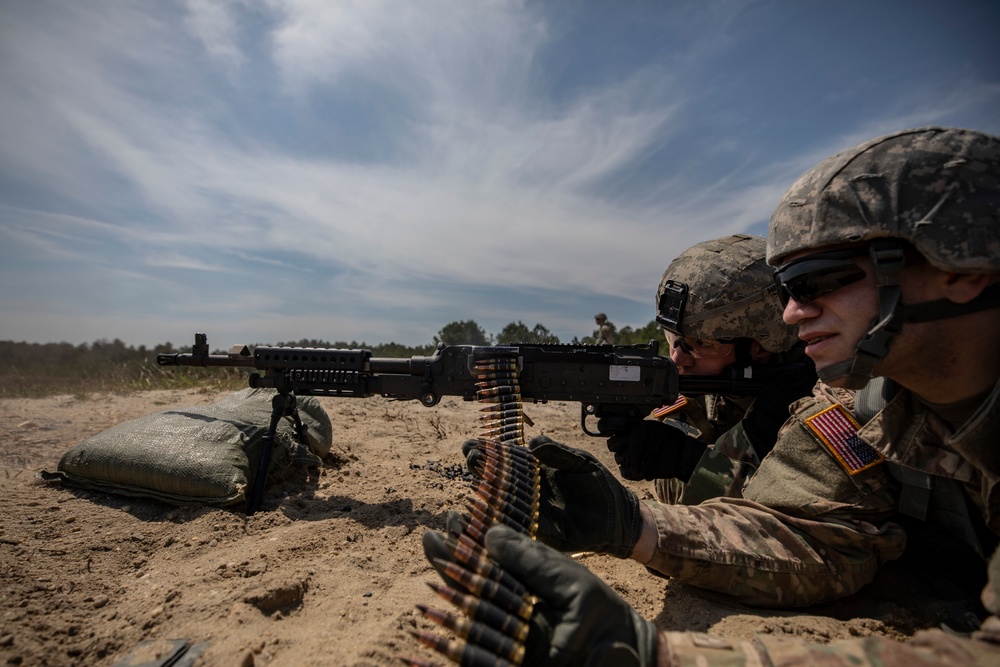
(328, 574)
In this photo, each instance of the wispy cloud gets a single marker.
(394, 166)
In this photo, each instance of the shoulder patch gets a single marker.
(839, 432)
(667, 409)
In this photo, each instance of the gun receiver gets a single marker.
(621, 381)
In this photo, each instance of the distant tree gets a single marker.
(466, 332)
(114, 352)
(629, 336)
(40, 369)
(396, 350)
(518, 332)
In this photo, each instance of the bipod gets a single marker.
(282, 405)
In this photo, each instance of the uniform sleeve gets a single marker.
(927, 647)
(808, 529)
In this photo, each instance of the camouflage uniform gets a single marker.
(827, 505)
(926, 647)
(825, 509)
(707, 418)
(811, 527)
(729, 295)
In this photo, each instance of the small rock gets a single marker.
(276, 595)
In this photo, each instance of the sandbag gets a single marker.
(207, 454)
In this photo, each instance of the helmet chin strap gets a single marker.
(887, 255)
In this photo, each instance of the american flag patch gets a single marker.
(839, 432)
(667, 409)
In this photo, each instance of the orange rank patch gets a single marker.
(667, 409)
(837, 429)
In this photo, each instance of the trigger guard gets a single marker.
(585, 411)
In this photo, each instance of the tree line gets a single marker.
(39, 369)
(467, 332)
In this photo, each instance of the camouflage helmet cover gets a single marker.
(937, 188)
(730, 293)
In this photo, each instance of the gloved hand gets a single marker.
(577, 619)
(582, 505)
(652, 450)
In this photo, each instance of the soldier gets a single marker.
(605, 334)
(720, 312)
(889, 256)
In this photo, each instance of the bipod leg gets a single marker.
(282, 405)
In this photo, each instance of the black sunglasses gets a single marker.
(811, 277)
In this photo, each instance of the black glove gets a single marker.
(582, 506)
(577, 619)
(654, 450)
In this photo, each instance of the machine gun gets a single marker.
(620, 382)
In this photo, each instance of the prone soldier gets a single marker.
(888, 255)
(719, 309)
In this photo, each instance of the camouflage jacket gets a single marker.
(927, 647)
(739, 432)
(711, 419)
(815, 522)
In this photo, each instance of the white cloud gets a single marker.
(214, 24)
(448, 51)
(161, 145)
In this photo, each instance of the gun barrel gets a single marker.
(400, 366)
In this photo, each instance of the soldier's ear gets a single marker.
(964, 287)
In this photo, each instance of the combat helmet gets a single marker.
(933, 189)
(721, 290)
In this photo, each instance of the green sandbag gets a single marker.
(205, 454)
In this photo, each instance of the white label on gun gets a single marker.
(625, 373)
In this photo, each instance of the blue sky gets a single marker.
(367, 170)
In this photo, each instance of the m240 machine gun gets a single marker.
(620, 382)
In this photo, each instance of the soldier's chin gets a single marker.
(837, 375)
